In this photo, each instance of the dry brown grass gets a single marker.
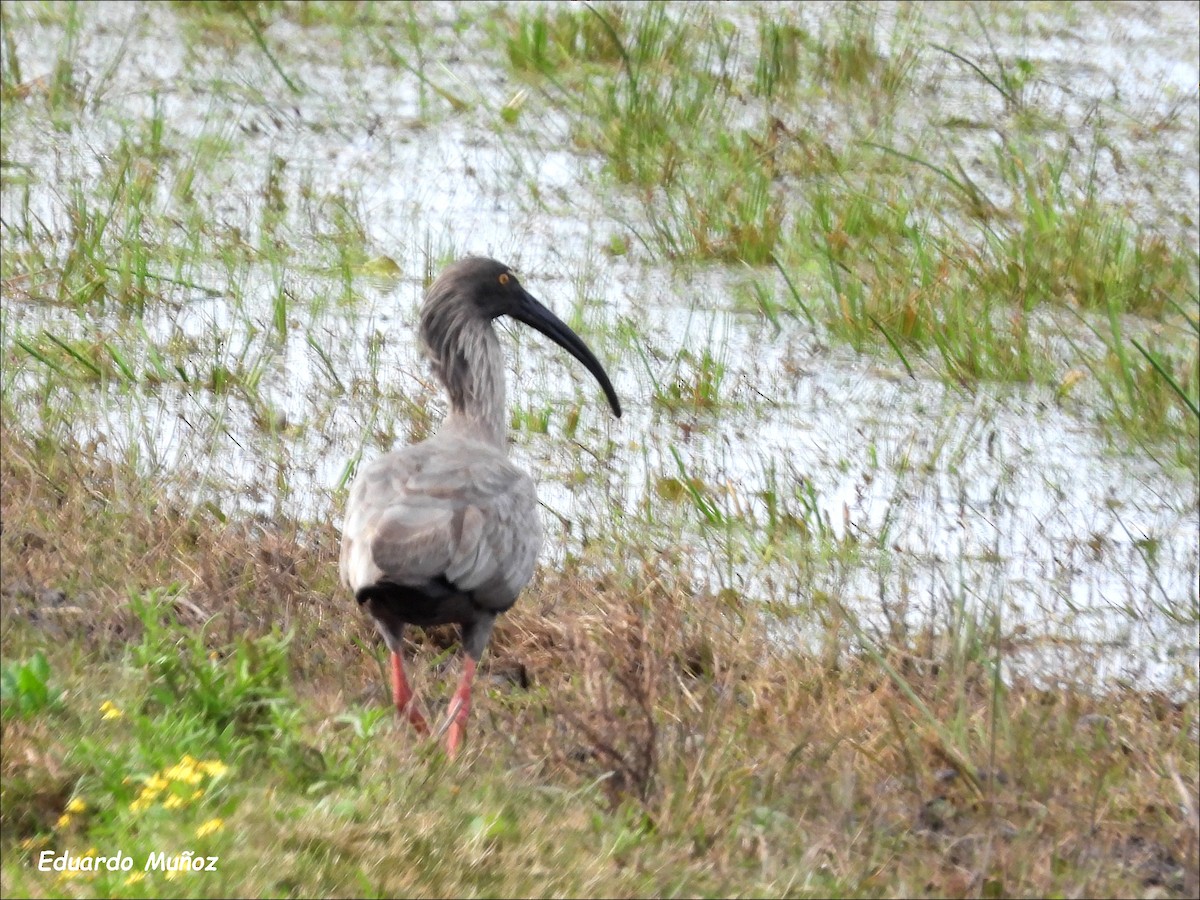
(737, 763)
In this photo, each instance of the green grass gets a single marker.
(891, 250)
(663, 744)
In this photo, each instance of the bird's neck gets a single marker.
(471, 364)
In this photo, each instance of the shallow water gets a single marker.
(1004, 500)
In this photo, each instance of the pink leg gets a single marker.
(460, 706)
(403, 696)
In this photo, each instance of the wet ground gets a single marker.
(930, 500)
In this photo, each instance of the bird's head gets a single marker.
(477, 289)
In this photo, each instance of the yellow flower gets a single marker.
(63, 821)
(185, 772)
(110, 710)
(35, 843)
(68, 874)
(135, 877)
(188, 771)
(76, 806)
(212, 825)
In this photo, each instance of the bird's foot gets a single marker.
(415, 718)
(402, 694)
(454, 739)
(455, 726)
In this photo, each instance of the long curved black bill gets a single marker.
(530, 311)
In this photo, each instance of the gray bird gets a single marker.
(447, 530)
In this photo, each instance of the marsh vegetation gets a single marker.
(886, 583)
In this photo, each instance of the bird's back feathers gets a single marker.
(447, 509)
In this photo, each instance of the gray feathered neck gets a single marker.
(462, 347)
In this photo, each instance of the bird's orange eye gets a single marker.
(504, 278)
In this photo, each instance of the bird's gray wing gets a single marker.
(450, 510)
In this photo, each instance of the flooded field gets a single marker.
(217, 231)
(886, 583)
